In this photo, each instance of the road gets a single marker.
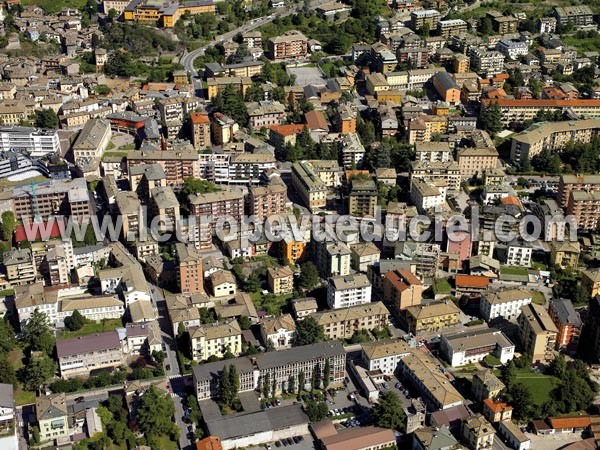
(188, 59)
(176, 380)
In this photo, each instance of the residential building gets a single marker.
(189, 269)
(447, 172)
(176, 164)
(590, 332)
(20, 266)
(503, 24)
(419, 18)
(496, 411)
(590, 281)
(269, 200)
(486, 385)
(303, 307)
(332, 258)
(265, 113)
(570, 183)
(215, 339)
(293, 44)
(435, 438)
(538, 333)
(365, 438)
(52, 417)
(165, 207)
(280, 280)
(165, 15)
(352, 150)
(8, 416)
(472, 162)
(513, 435)
(433, 152)
(364, 254)
(345, 119)
(223, 129)
(552, 137)
(568, 323)
(546, 25)
(565, 254)
(92, 141)
(222, 283)
(426, 195)
(425, 375)
(471, 347)
(309, 186)
(478, 432)
(362, 198)
(384, 355)
(226, 202)
(343, 323)
(453, 27)
(579, 16)
(279, 331)
(83, 355)
(488, 62)
(433, 317)
(182, 311)
(512, 49)
(216, 85)
(344, 291)
(506, 303)
(447, 88)
(200, 130)
(402, 289)
(584, 207)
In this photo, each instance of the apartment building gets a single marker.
(427, 194)
(506, 303)
(118, 5)
(384, 355)
(216, 85)
(165, 207)
(352, 150)
(279, 331)
(269, 200)
(565, 254)
(362, 198)
(165, 15)
(452, 27)
(49, 198)
(52, 417)
(512, 49)
(34, 141)
(537, 333)
(579, 16)
(308, 185)
(215, 339)
(590, 281)
(332, 258)
(200, 130)
(478, 432)
(552, 137)
(189, 269)
(424, 127)
(129, 207)
(487, 62)
(433, 152)
(518, 253)
(403, 289)
(426, 376)
(344, 323)
(419, 18)
(446, 88)
(472, 162)
(20, 266)
(433, 317)
(222, 283)
(293, 44)
(570, 183)
(92, 140)
(282, 135)
(448, 172)
(265, 113)
(345, 119)
(223, 129)
(303, 307)
(226, 202)
(348, 290)
(521, 110)
(471, 347)
(503, 24)
(364, 254)
(177, 164)
(280, 280)
(486, 385)
(82, 355)
(567, 322)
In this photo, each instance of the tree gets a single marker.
(226, 391)
(158, 356)
(7, 372)
(521, 401)
(316, 377)
(309, 277)
(8, 225)
(291, 385)
(46, 118)
(490, 118)
(155, 413)
(383, 155)
(486, 26)
(316, 411)
(326, 374)
(37, 372)
(74, 322)
(266, 385)
(231, 103)
(508, 374)
(308, 331)
(244, 322)
(234, 381)
(301, 381)
(37, 335)
(274, 388)
(388, 413)
(255, 93)
(558, 366)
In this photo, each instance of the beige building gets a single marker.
(403, 289)
(52, 417)
(343, 323)
(189, 269)
(590, 280)
(280, 279)
(165, 208)
(537, 333)
(293, 44)
(309, 186)
(474, 161)
(222, 283)
(92, 140)
(215, 340)
(82, 355)
(478, 432)
(280, 331)
(303, 307)
(565, 254)
(20, 266)
(362, 198)
(433, 317)
(364, 254)
(485, 384)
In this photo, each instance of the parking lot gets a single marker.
(306, 76)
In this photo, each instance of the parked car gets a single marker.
(80, 399)
(277, 444)
(398, 385)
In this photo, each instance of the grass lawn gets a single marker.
(539, 385)
(93, 327)
(538, 298)
(513, 270)
(167, 444)
(583, 45)
(15, 358)
(24, 397)
(272, 305)
(441, 286)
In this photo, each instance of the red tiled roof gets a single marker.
(496, 407)
(287, 130)
(541, 103)
(315, 120)
(559, 423)
(472, 281)
(197, 117)
(511, 200)
(209, 443)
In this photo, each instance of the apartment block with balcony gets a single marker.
(537, 333)
(433, 317)
(52, 417)
(189, 269)
(362, 198)
(83, 355)
(343, 323)
(348, 290)
(568, 323)
(20, 266)
(332, 258)
(293, 44)
(215, 339)
(280, 280)
(308, 185)
(402, 288)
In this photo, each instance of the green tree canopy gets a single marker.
(8, 225)
(309, 276)
(74, 322)
(37, 372)
(37, 335)
(155, 413)
(308, 331)
(388, 413)
(46, 118)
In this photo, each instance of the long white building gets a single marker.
(37, 142)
